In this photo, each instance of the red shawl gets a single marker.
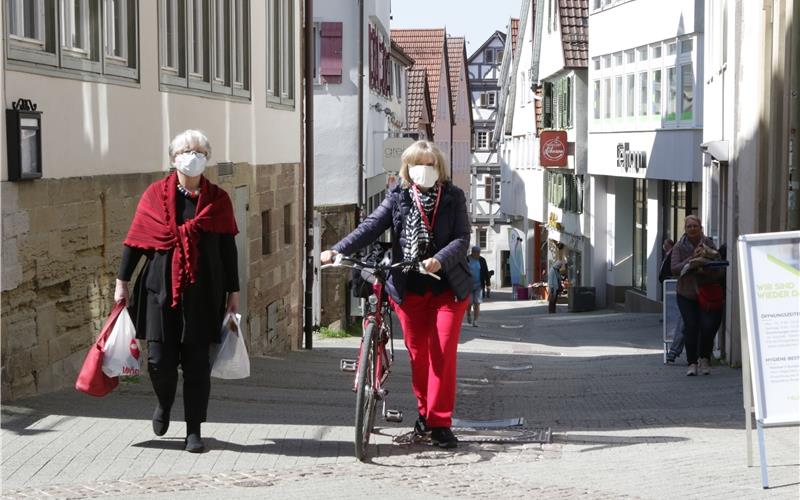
(154, 226)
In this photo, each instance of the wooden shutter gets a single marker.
(547, 106)
(488, 188)
(331, 52)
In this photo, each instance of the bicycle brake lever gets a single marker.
(422, 270)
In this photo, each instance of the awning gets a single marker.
(717, 149)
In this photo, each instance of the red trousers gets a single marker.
(431, 327)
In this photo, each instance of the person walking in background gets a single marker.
(479, 272)
(700, 323)
(554, 276)
(427, 215)
(665, 273)
(184, 226)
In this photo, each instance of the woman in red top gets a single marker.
(185, 227)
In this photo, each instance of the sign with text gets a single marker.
(627, 159)
(769, 270)
(553, 148)
(393, 148)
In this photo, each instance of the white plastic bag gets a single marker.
(231, 360)
(121, 352)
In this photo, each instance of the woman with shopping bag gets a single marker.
(184, 226)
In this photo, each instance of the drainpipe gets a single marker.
(308, 66)
(360, 110)
(793, 202)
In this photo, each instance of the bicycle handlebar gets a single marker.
(373, 269)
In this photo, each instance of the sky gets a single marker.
(473, 19)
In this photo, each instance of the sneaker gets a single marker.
(692, 371)
(670, 357)
(194, 443)
(421, 427)
(705, 366)
(443, 437)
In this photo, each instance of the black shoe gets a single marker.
(194, 444)
(443, 437)
(670, 358)
(160, 421)
(421, 427)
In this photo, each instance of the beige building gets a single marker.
(114, 82)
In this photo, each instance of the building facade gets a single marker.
(114, 84)
(645, 129)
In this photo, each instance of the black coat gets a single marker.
(451, 233)
(199, 314)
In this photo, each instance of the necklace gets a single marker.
(187, 193)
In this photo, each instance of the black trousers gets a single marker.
(163, 360)
(699, 329)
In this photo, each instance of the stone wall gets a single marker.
(336, 222)
(61, 246)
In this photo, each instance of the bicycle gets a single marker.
(376, 353)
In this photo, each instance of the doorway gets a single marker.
(505, 265)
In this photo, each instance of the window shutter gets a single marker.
(547, 106)
(331, 52)
(487, 187)
(483, 100)
(569, 103)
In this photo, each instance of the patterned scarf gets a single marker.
(418, 240)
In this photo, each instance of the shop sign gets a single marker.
(393, 148)
(627, 159)
(553, 148)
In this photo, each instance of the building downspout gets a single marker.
(308, 69)
(793, 201)
(360, 110)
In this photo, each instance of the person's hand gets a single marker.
(431, 265)
(698, 251)
(121, 291)
(233, 303)
(327, 256)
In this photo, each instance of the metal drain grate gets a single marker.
(541, 435)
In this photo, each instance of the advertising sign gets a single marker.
(770, 275)
(393, 148)
(553, 148)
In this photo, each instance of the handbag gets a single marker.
(230, 360)
(710, 296)
(91, 378)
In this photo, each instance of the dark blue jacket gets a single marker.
(450, 233)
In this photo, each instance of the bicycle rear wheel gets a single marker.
(365, 390)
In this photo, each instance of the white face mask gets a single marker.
(190, 163)
(424, 176)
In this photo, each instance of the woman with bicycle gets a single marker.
(428, 218)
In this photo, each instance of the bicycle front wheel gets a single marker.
(365, 390)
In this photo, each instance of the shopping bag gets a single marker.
(231, 359)
(710, 296)
(121, 350)
(91, 378)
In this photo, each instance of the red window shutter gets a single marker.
(331, 52)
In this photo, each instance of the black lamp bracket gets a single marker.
(23, 105)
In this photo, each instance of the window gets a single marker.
(596, 99)
(607, 98)
(656, 100)
(488, 99)
(496, 184)
(205, 45)
(488, 56)
(618, 97)
(483, 235)
(88, 39)
(484, 139)
(630, 88)
(680, 199)
(643, 93)
(266, 247)
(607, 61)
(687, 91)
(642, 53)
(498, 55)
(672, 93)
(687, 46)
(398, 84)
(640, 235)
(280, 52)
(618, 59)
(547, 105)
(656, 51)
(596, 62)
(672, 48)
(488, 182)
(287, 224)
(630, 56)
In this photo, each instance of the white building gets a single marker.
(490, 231)
(114, 82)
(645, 130)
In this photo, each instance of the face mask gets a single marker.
(424, 176)
(190, 163)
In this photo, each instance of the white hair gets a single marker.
(188, 140)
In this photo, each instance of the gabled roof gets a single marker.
(456, 56)
(426, 47)
(400, 55)
(514, 33)
(496, 34)
(575, 32)
(418, 98)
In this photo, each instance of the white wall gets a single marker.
(99, 129)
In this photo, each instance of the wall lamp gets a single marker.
(24, 141)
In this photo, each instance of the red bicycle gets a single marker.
(376, 353)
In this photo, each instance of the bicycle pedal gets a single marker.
(393, 416)
(347, 365)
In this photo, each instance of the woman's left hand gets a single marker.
(432, 265)
(233, 303)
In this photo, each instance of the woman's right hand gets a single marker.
(121, 291)
(327, 256)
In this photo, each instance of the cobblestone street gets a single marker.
(623, 426)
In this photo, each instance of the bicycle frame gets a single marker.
(384, 336)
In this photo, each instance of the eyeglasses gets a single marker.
(198, 153)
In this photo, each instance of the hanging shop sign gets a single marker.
(627, 159)
(553, 148)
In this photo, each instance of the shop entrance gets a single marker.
(505, 256)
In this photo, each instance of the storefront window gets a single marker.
(640, 235)
(679, 200)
